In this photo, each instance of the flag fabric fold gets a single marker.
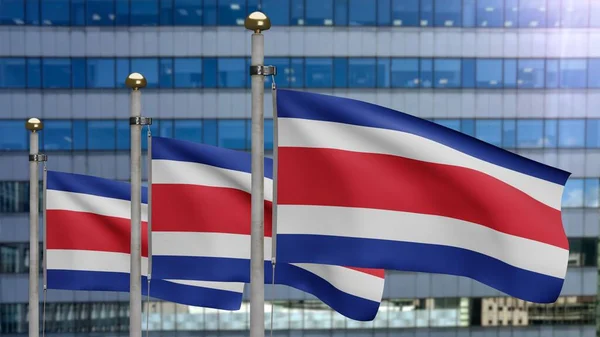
(366, 186)
(201, 228)
(88, 244)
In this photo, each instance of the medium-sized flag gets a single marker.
(201, 228)
(362, 185)
(88, 244)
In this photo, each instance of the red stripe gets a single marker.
(375, 272)
(328, 177)
(88, 231)
(197, 208)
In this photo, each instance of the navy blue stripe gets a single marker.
(407, 256)
(238, 270)
(79, 183)
(181, 150)
(159, 289)
(305, 105)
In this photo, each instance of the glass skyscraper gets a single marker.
(520, 74)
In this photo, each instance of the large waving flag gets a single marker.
(201, 228)
(88, 244)
(362, 185)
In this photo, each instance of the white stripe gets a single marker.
(86, 260)
(320, 134)
(423, 228)
(89, 203)
(180, 172)
(350, 281)
(235, 246)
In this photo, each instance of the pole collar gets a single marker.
(263, 70)
(140, 121)
(38, 157)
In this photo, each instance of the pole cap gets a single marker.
(34, 124)
(257, 22)
(136, 81)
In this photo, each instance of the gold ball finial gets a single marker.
(34, 124)
(257, 22)
(136, 81)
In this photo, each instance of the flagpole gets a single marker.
(257, 22)
(136, 81)
(34, 125)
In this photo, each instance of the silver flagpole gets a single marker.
(136, 81)
(34, 125)
(44, 249)
(257, 22)
(149, 212)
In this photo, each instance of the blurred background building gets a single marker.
(520, 74)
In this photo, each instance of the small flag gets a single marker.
(201, 228)
(88, 244)
(362, 185)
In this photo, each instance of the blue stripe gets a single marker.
(180, 150)
(159, 289)
(305, 105)
(406, 256)
(79, 183)
(238, 270)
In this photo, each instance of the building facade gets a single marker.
(520, 74)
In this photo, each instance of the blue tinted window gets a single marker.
(447, 73)
(232, 12)
(232, 134)
(426, 13)
(575, 13)
(594, 14)
(532, 13)
(511, 13)
(209, 131)
(592, 133)
(189, 12)
(56, 72)
(55, 12)
(166, 73)
(319, 12)
(12, 73)
(362, 13)
(340, 72)
(210, 72)
(122, 9)
(593, 73)
(553, 13)
(426, 73)
(190, 130)
(78, 14)
(78, 73)
(122, 67)
(490, 13)
(489, 131)
(531, 74)
(166, 128)
(148, 67)
(550, 133)
(278, 11)
(101, 73)
(12, 12)
(405, 13)
(319, 72)
(383, 73)
(468, 73)
(573, 193)
(469, 13)
(551, 73)
(467, 126)
(530, 133)
(188, 72)
(341, 12)
(124, 134)
(34, 73)
(297, 73)
(210, 12)
(297, 12)
(144, 12)
(571, 133)
(592, 192)
(101, 135)
(384, 15)
(489, 73)
(100, 13)
(453, 124)
(509, 133)
(448, 13)
(268, 134)
(79, 134)
(32, 12)
(166, 12)
(14, 135)
(283, 71)
(573, 73)
(361, 73)
(510, 73)
(405, 73)
(232, 73)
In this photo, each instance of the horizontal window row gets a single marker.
(306, 315)
(578, 193)
(399, 13)
(111, 134)
(303, 72)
